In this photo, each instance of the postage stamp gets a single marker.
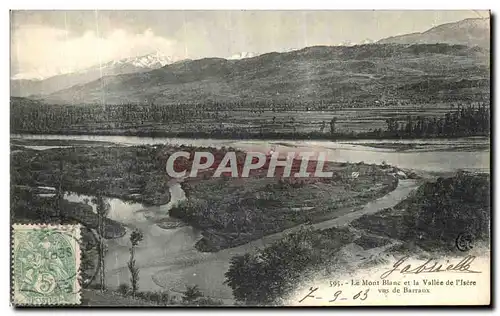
(45, 265)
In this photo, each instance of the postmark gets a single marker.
(45, 265)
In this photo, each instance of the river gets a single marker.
(167, 257)
(439, 155)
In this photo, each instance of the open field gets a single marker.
(253, 122)
(300, 121)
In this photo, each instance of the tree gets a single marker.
(123, 289)
(392, 126)
(243, 278)
(332, 125)
(191, 294)
(323, 126)
(254, 281)
(102, 208)
(88, 265)
(409, 126)
(135, 238)
(59, 196)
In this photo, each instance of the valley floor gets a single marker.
(372, 214)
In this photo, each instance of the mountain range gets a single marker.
(471, 32)
(310, 74)
(26, 87)
(392, 66)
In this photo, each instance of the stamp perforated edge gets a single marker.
(75, 232)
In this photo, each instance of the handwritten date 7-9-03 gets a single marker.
(338, 295)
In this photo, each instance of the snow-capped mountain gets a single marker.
(367, 41)
(243, 55)
(346, 43)
(133, 64)
(287, 50)
(25, 87)
(151, 61)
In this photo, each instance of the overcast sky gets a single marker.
(45, 43)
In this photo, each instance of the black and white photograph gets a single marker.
(193, 158)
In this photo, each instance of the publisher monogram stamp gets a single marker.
(45, 265)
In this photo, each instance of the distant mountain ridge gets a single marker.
(155, 77)
(470, 32)
(362, 72)
(26, 87)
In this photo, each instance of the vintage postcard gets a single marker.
(250, 158)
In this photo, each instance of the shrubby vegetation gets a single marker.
(27, 206)
(135, 173)
(467, 120)
(191, 297)
(431, 219)
(438, 213)
(232, 212)
(266, 277)
(130, 173)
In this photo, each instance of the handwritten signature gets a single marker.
(431, 266)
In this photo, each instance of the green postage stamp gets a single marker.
(45, 265)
